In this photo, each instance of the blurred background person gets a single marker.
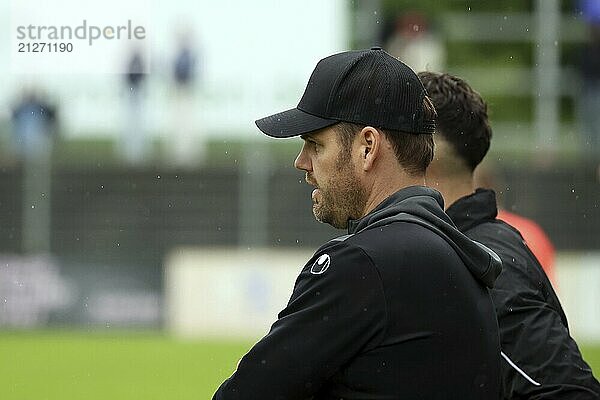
(34, 123)
(134, 146)
(185, 149)
(413, 42)
(589, 102)
(34, 120)
(489, 176)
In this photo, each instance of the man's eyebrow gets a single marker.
(306, 136)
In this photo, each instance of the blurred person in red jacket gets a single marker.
(537, 240)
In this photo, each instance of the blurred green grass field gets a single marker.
(80, 365)
(83, 365)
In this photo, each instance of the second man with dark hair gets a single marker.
(540, 359)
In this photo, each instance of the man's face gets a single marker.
(338, 194)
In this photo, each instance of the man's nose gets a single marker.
(302, 161)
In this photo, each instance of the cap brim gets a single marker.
(291, 123)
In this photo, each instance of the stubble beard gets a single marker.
(342, 198)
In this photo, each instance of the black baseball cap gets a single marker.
(368, 87)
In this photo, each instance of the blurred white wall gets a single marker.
(238, 293)
(228, 292)
(578, 287)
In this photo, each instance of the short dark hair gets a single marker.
(414, 152)
(462, 116)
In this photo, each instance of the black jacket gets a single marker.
(533, 328)
(397, 309)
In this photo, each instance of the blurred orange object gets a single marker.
(535, 238)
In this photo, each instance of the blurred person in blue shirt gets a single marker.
(589, 105)
(185, 147)
(34, 125)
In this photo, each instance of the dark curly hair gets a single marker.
(462, 117)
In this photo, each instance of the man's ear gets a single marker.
(370, 142)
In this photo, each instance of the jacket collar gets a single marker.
(376, 214)
(473, 209)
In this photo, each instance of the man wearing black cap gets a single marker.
(540, 359)
(399, 307)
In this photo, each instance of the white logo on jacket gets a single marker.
(321, 265)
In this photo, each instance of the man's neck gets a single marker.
(384, 188)
(452, 188)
